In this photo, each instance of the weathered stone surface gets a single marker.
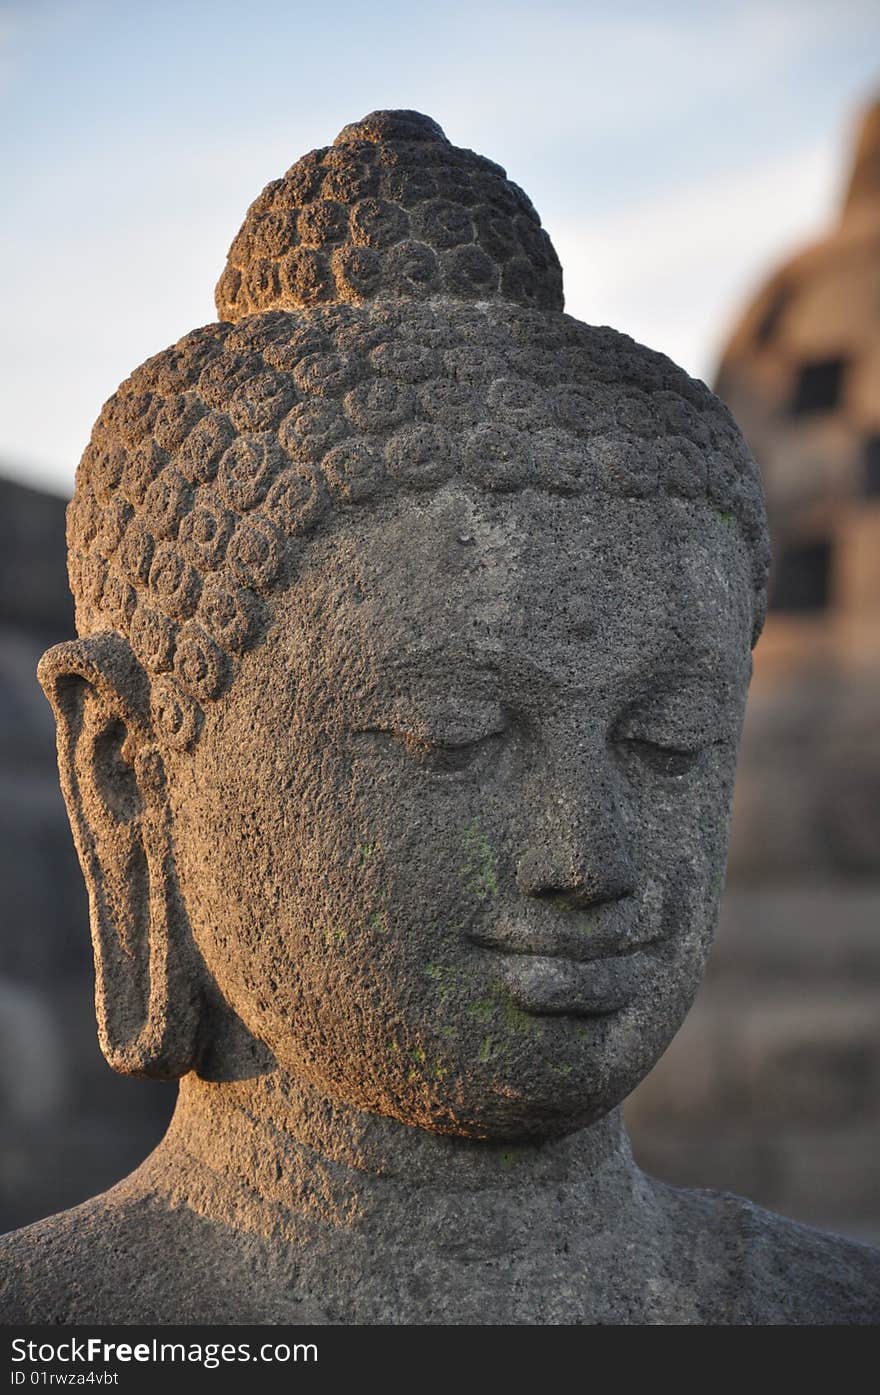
(399, 745)
(390, 210)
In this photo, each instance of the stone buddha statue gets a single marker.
(415, 621)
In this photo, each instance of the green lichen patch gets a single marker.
(498, 1006)
(445, 978)
(511, 1156)
(586, 924)
(481, 1010)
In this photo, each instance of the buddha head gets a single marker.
(415, 623)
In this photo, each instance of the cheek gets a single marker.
(685, 818)
(682, 841)
(676, 830)
(683, 836)
(322, 888)
(425, 845)
(237, 865)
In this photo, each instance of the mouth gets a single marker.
(548, 987)
(555, 973)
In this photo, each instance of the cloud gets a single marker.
(674, 271)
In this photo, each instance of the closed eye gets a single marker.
(440, 756)
(669, 761)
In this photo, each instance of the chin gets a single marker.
(518, 1107)
(501, 1119)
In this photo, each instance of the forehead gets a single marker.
(557, 585)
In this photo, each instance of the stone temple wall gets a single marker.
(69, 1125)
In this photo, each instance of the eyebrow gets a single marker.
(477, 660)
(706, 661)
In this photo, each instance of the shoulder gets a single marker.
(65, 1268)
(122, 1257)
(772, 1271)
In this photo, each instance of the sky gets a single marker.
(676, 151)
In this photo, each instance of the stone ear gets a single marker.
(151, 983)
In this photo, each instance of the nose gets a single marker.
(576, 844)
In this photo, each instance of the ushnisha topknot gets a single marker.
(390, 209)
(209, 468)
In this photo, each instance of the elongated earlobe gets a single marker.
(151, 983)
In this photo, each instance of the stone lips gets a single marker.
(213, 462)
(391, 209)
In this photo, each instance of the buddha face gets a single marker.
(452, 845)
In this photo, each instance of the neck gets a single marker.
(279, 1152)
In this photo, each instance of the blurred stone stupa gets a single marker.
(802, 375)
(785, 1029)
